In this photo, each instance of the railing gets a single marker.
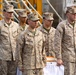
(33, 8)
(54, 9)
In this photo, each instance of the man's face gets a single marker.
(71, 16)
(33, 24)
(8, 15)
(22, 19)
(48, 23)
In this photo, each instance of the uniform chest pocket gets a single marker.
(4, 33)
(29, 43)
(14, 34)
(68, 34)
(40, 42)
(68, 31)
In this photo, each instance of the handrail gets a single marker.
(1, 15)
(54, 9)
(26, 6)
(33, 8)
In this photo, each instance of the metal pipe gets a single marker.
(54, 9)
(26, 6)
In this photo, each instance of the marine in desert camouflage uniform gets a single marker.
(31, 49)
(22, 20)
(8, 35)
(48, 32)
(65, 42)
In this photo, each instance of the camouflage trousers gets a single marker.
(8, 67)
(70, 68)
(33, 72)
